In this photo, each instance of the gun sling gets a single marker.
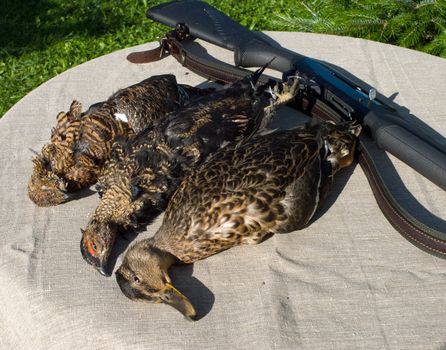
(420, 234)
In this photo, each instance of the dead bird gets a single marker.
(268, 184)
(143, 174)
(81, 142)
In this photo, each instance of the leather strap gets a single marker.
(421, 235)
(147, 56)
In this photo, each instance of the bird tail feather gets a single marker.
(254, 77)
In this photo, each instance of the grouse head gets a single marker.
(45, 188)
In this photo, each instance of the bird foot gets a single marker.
(282, 93)
(288, 90)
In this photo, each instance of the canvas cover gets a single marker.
(349, 281)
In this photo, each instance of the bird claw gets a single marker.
(284, 93)
(271, 92)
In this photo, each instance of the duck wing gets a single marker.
(237, 195)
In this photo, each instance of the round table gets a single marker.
(349, 281)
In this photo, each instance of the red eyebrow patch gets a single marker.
(90, 248)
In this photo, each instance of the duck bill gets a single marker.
(172, 296)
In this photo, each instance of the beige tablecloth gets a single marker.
(349, 281)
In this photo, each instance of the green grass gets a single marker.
(40, 39)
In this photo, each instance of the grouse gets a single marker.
(81, 142)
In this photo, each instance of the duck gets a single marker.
(269, 184)
(143, 174)
(81, 142)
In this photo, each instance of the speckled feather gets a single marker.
(142, 174)
(156, 161)
(81, 142)
(271, 183)
(268, 184)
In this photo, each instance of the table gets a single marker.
(349, 281)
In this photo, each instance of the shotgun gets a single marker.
(350, 98)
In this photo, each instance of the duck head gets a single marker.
(143, 276)
(341, 140)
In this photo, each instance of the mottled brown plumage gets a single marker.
(143, 174)
(268, 184)
(81, 142)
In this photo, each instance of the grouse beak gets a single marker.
(67, 196)
(172, 296)
(99, 263)
(103, 270)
